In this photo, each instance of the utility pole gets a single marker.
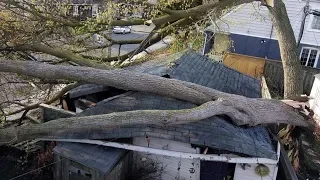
(307, 11)
(303, 22)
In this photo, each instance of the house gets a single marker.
(213, 148)
(83, 9)
(252, 33)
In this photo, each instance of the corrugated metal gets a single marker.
(169, 168)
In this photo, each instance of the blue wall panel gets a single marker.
(260, 47)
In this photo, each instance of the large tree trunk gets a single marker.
(288, 50)
(240, 109)
(54, 129)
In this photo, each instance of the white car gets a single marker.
(121, 29)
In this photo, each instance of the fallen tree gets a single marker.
(31, 32)
(241, 110)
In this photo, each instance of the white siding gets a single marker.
(249, 173)
(309, 36)
(172, 168)
(254, 20)
(250, 19)
(315, 97)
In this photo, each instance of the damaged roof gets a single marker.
(96, 157)
(215, 132)
(199, 69)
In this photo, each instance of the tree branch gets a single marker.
(53, 99)
(63, 54)
(105, 121)
(246, 110)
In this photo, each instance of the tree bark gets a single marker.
(63, 54)
(288, 50)
(245, 110)
(50, 101)
(105, 121)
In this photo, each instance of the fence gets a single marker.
(249, 65)
(273, 72)
(271, 69)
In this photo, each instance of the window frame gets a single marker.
(310, 23)
(95, 7)
(317, 56)
(75, 10)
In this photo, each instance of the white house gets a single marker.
(253, 34)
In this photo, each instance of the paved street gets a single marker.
(137, 32)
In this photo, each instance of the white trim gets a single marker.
(75, 10)
(251, 35)
(95, 8)
(275, 173)
(310, 1)
(310, 48)
(208, 157)
(313, 43)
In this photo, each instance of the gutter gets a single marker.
(229, 158)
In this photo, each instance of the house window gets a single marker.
(75, 10)
(315, 22)
(309, 57)
(95, 10)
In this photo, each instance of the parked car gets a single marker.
(121, 29)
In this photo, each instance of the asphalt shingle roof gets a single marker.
(215, 132)
(198, 69)
(96, 157)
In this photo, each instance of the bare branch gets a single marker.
(110, 59)
(63, 54)
(53, 99)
